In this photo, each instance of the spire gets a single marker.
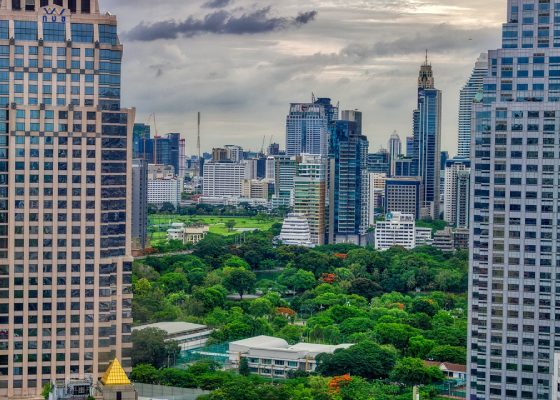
(426, 57)
(426, 76)
(115, 375)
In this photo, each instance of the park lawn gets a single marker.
(158, 224)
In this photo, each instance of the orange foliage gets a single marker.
(338, 381)
(329, 278)
(341, 256)
(285, 311)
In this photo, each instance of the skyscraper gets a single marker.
(395, 150)
(348, 183)
(66, 149)
(139, 207)
(307, 127)
(427, 140)
(158, 150)
(466, 98)
(514, 324)
(457, 194)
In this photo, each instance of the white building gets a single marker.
(234, 152)
(397, 230)
(188, 336)
(456, 204)
(424, 236)
(223, 179)
(395, 150)
(376, 197)
(296, 231)
(187, 234)
(165, 190)
(274, 357)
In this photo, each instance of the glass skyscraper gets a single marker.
(514, 293)
(307, 127)
(427, 141)
(65, 167)
(466, 98)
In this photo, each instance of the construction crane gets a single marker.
(262, 146)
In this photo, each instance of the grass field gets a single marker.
(158, 224)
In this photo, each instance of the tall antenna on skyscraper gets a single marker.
(198, 144)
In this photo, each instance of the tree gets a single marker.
(244, 367)
(168, 208)
(298, 280)
(150, 347)
(145, 373)
(420, 347)
(425, 305)
(412, 371)
(365, 288)
(174, 282)
(230, 224)
(448, 353)
(395, 334)
(260, 307)
(239, 280)
(366, 359)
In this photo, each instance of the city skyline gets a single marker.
(355, 55)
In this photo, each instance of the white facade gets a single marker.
(164, 191)
(456, 195)
(424, 236)
(395, 150)
(467, 95)
(376, 197)
(188, 336)
(223, 179)
(234, 153)
(274, 357)
(187, 234)
(295, 231)
(397, 230)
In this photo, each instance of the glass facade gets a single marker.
(65, 151)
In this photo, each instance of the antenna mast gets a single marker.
(198, 145)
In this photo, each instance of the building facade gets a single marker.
(427, 140)
(379, 162)
(466, 99)
(376, 195)
(395, 151)
(348, 183)
(164, 190)
(397, 230)
(403, 195)
(310, 195)
(295, 231)
(456, 204)
(307, 127)
(66, 157)
(139, 206)
(223, 179)
(514, 329)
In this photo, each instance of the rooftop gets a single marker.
(115, 375)
(447, 365)
(172, 328)
(273, 343)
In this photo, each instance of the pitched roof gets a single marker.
(115, 375)
(447, 365)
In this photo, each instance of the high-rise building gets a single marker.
(403, 195)
(310, 194)
(379, 162)
(466, 98)
(348, 183)
(65, 248)
(427, 140)
(514, 329)
(219, 154)
(223, 179)
(404, 167)
(139, 206)
(273, 149)
(285, 171)
(158, 150)
(141, 132)
(395, 151)
(234, 152)
(376, 194)
(457, 192)
(410, 146)
(307, 127)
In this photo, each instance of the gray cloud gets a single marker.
(217, 3)
(219, 22)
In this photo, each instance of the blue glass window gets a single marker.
(82, 33)
(25, 30)
(108, 34)
(4, 30)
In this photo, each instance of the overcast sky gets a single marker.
(241, 62)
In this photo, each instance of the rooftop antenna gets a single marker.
(426, 56)
(198, 144)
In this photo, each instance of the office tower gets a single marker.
(139, 206)
(234, 153)
(310, 194)
(395, 151)
(457, 192)
(397, 230)
(410, 147)
(514, 329)
(182, 159)
(466, 98)
(219, 154)
(307, 127)
(141, 132)
(427, 140)
(223, 179)
(273, 149)
(348, 183)
(378, 162)
(65, 251)
(404, 167)
(255, 189)
(159, 150)
(285, 171)
(376, 195)
(403, 195)
(270, 171)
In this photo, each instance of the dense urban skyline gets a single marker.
(363, 54)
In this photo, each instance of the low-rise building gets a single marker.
(275, 358)
(450, 370)
(461, 238)
(443, 240)
(188, 336)
(397, 230)
(187, 234)
(423, 236)
(295, 231)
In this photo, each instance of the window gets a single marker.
(82, 33)
(25, 30)
(108, 34)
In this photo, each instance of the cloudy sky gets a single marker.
(241, 62)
